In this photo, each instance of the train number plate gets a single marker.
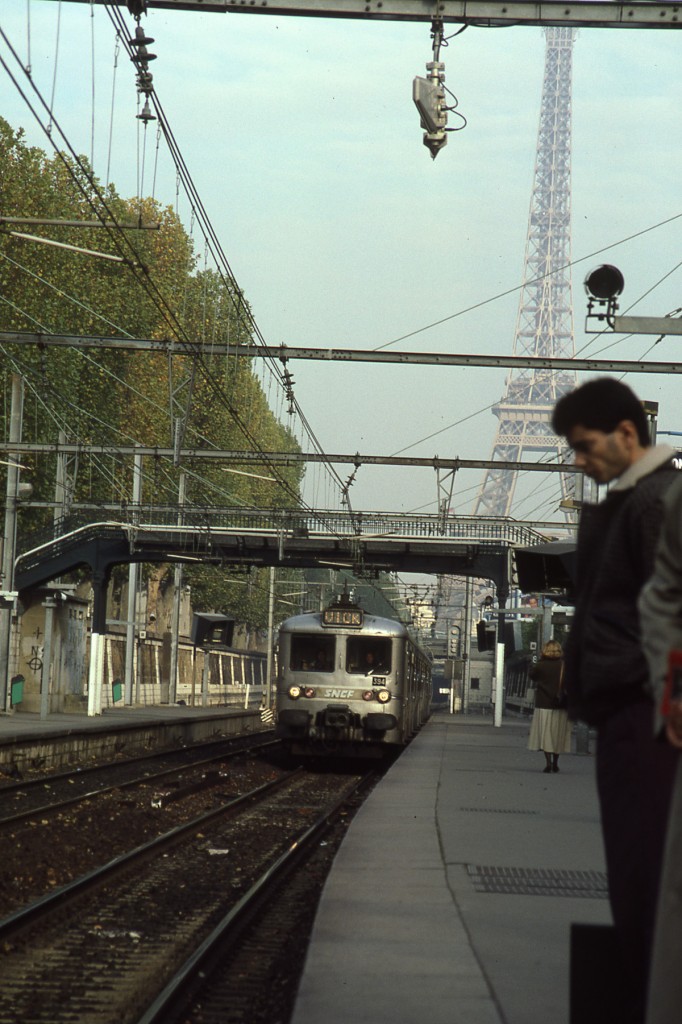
(349, 617)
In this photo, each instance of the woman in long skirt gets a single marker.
(550, 729)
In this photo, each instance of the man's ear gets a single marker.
(629, 434)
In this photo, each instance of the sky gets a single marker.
(305, 147)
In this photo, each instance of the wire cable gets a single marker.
(142, 273)
(525, 284)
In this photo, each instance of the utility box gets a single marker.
(211, 628)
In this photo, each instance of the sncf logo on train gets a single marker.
(340, 694)
(352, 617)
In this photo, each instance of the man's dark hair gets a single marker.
(600, 404)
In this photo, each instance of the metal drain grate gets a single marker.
(589, 885)
(496, 810)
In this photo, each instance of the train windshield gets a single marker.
(368, 656)
(312, 653)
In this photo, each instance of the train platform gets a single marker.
(452, 897)
(28, 741)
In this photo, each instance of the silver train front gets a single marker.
(349, 683)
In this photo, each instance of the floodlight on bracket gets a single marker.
(603, 286)
(429, 96)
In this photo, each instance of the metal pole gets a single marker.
(499, 683)
(175, 624)
(546, 624)
(131, 617)
(100, 584)
(271, 618)
(9, 538)
(448, 659)
(49, 604)
(502, 588)
(194, 677)
(466, 652)
(204, 678)
(94, 684)
(60, 484)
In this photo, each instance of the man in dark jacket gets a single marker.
(606, 673)
(660, 607)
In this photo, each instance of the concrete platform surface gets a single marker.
(420, 920)
(26, 724)
(28, 741)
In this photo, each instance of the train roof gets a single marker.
(311, 622)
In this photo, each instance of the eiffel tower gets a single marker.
(544, 325)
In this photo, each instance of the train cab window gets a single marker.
(312, 653)
(368, 656)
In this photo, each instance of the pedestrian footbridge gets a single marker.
(364, 542)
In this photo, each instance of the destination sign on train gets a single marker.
(352, 617)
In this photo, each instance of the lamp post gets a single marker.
(454, 641)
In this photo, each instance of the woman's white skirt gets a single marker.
(550, 731)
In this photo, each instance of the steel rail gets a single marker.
(128, 784)
(178, 991)
(21, 919)
(88, 769)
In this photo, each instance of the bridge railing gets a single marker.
(206, 520)
(321, 521)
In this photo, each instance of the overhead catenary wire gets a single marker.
(92, 85)
(524, 284)
(443, 429)
(27, 370)
(117, 50)
(198, 209)
(213, 243)
(107, 370)
(29, 373)
(144, 278)
(242, 307)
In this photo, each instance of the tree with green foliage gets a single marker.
(151, 289)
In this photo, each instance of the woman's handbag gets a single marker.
(561, 695)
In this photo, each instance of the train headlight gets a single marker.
(383, 696)
(294, 692)
(309, 691)
(368, 695)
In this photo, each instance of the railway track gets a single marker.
(33, 797)
(247, 969)
(49, 845)
(103, 948)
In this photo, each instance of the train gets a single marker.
(349, 683)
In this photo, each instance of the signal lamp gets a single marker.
(605, 282)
